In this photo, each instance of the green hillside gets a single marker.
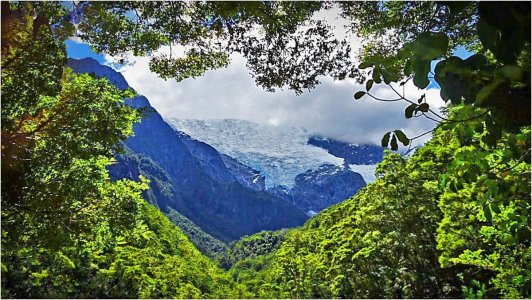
(161, 192)
(152, 260)
(410, 234)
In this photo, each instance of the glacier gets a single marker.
(278, 153)
(367, 171)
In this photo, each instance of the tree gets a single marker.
(496, 77)
(483, 227)
(65, 223)
(67, 229)
(458, 211)
(281, 42)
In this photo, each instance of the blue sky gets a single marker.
(82, 50)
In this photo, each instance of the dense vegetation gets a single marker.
(404, 235)
(153, 259)
(205, 242)
(131, 166)
(246, 258)
(452, 220)
(67, 229)
(251, 246)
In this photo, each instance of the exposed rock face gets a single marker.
(351, 153)
(318, 189)
(247, 176)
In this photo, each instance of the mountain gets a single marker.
(362, 159)
(384, 242)
(294, 169)
(278, 153)
(318, 189)
(351, 153)
(161, 195)
(222, 166)
(203, 188)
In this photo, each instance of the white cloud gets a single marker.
(329, 109)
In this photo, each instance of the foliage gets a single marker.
(485, 191)
(152, 260)
(68, 230)
(206, 243)
(160, 262)
(378, 244)
(160, 194)
(417, 232)
(246, 258)
(496, 77)
(251, 246)
(282, 44)
(452, 220)
(53, 181)
(387, 26)
(486, 207)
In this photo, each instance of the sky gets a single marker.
(231, 93)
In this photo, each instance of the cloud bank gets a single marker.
(328, 110)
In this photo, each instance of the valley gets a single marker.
(308, 150)
(230, 178)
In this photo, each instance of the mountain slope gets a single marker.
(294, 170)
(351, 153)
(205, 193)
(161, 195)
(318, 189)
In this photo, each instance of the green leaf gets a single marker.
(489, 36)
(421, 70)
(495, 208)
(429, 45)
(449, 75)
(487, 90)
(421, 98)
(359, 95)
(365, 65)
(477, 61)
(409, 111)
(369, 84)
(389, 76)
(408, 68)
(376, 75)
(402, 137)
(424, 107)
(487, 213)
(511, 72)
(393, 143)
(385, 139)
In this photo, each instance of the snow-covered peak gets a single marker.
(279, 153)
